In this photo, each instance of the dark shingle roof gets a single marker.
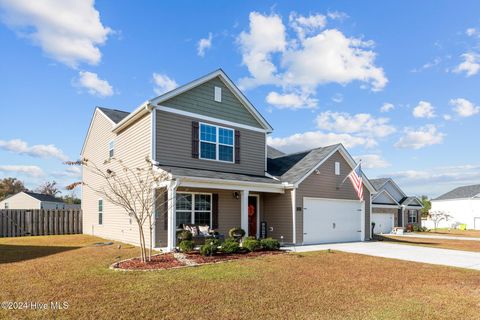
(292, 167)
(189, 172)
(114, 115)
(274, 153)
(43, 197)
(461, 192)
(378, 183)
(407, 200)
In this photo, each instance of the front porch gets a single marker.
(218, 204)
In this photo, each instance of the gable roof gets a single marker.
(294, 168)
(408, 201)
(43, 197)
(217, 73)
(378, 183)
(385, 192)
(113, 114)
(274, 153)
(461, 192)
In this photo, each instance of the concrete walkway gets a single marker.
(432, 236)
(451, 258)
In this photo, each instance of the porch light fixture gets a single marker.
(236, 195)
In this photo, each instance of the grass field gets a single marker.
(317, 285)
(455, 233)
(466, 245)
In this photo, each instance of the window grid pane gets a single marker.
(225, 136)
(100, 205)
(208, 133)
(225, 153)
(184, 201)
(202, 202)
(202, 217)
(184, 217)
(208, 151)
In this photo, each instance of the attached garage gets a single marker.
(332, 220)
(384, 222)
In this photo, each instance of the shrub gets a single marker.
(230, 246)
(270, 244)
(419, 229)
(186, 246)
(251, 244)
(236, 233)
(210, 247)
(184, 235)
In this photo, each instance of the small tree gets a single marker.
(133, 189)
(427, 205)
(438, 216)
(48, 188)
(10, 186)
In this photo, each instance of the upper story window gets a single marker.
(100, 211)
(337, 168)
(6, 205)
(218, 94)
(111, 149)
(216, 143)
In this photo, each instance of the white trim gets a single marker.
(370, 217)
(192, 211)
(224, 78)
(91, 124)
(217, 142)
(331, 199)
(218, 184)
(388, 194)
(266, 154)
(340, 148)
(244, 210)
(207, 118)
(135, 114)
(362, 221)
(293, 194)
(395, 185)
(410, 202)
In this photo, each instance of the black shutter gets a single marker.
(195, 139)
(237, 146)
(165, 209)
(215, 211)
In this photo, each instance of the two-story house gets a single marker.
(391, 207)
(212, 142)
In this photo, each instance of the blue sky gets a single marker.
(320, 72)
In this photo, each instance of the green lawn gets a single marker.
(317, 285)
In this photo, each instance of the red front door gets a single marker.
(252, 216)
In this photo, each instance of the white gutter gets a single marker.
(137, 113)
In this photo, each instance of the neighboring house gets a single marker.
(391, 207)
(212, 143)
(32, 200)
(462, 204)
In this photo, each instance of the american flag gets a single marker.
(356, 177)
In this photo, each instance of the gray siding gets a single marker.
(201, 100)
(324, 185)
(277, 213)
(174, 147)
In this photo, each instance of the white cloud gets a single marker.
(33, 171)
(306, 25)
(386, 107)
(447, 117)
(337, 15)
(292, 101)
(337, 98)
(69, 31)
(204, 44)
(428, 65)
(312, 58)
(39, 150)
(266, 36)
(362, 124)
(163, 83)
(372, 161)
(315, 139)
(470, 64)
(471, 32)
(94, 85)
(419, 138)
(464, 108)
(424, 109)
(69, 172)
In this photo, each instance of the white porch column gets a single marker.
(244, 210)
(172, 217)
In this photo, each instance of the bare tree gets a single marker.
(136, 190)
(438, 216)
(49, 188)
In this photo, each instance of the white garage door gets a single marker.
(383, 222)
(334, 220)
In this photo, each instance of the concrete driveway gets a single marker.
(452, 258)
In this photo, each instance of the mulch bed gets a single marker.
(160, 261)
(220, 257)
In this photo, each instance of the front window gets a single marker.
(111, 149)
(100, 211)
(412, 216)
(6, 205)
(216, 143)
(194, 208)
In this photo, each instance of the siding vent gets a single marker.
(337, 168)
(218, 94)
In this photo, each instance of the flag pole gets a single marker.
(343, 181)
